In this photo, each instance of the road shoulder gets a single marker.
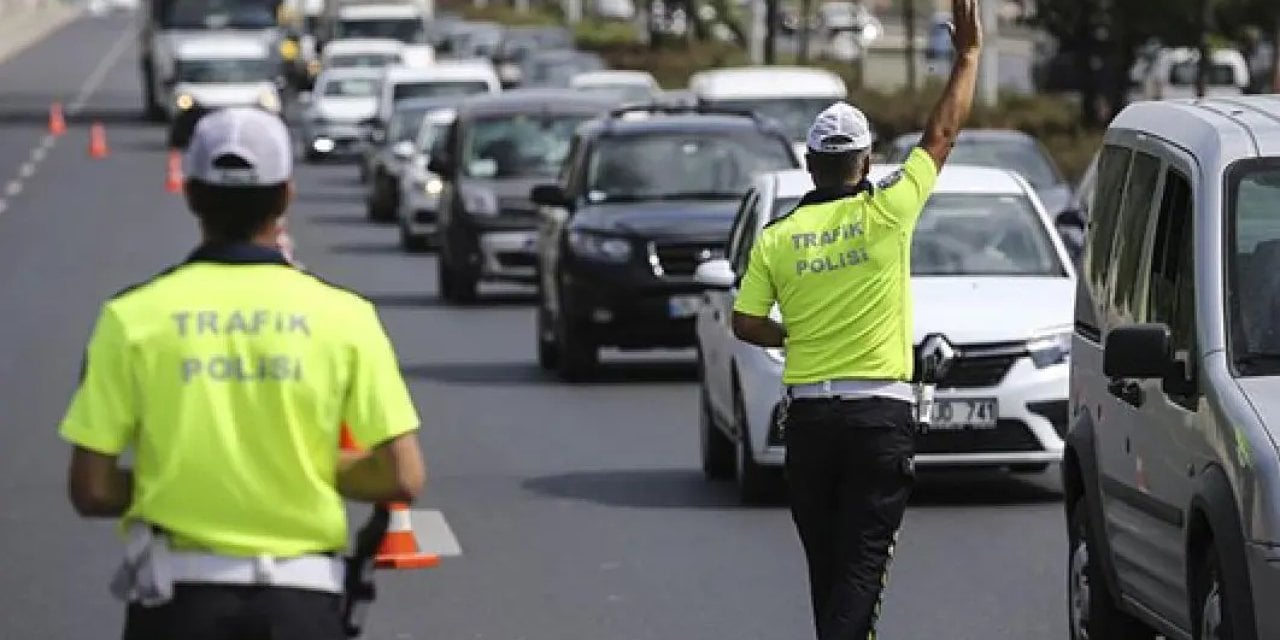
(23, 29)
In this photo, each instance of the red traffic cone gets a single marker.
(97, 141)
(57, 124)
(399, 548)
(173, 173)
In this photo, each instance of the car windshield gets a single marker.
(982, 235)
(439, 89)
(217, 14)
(1184, 73)
(519, 146)
(229, 70)
(365, 60)
(1254, 237)
(558, 71)
(351, 87)
(1022, 156)
(405, 124)
(794, 115)
(673, 166)
(407, 30)
(432, 131)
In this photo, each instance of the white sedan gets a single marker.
(988, 274)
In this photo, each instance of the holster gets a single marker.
(359, 590)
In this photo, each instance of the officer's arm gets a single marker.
(957, 99)
(392, 472)
(756, 296)
(758, 330)
(96, 484)
(382, 419)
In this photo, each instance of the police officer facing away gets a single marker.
(838, 267)
(228, 377)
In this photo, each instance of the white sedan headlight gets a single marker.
(1050, 346)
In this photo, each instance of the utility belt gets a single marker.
(918, 394)
(151, 567)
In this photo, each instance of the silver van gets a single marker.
(1171, 472)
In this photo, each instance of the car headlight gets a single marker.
(433, 186)
(479, 202)
(599, 247)
(268, 100)
(185, 102)
(1049, 347)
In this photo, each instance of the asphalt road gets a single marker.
(579, 510)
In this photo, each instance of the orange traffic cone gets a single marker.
(97, 141)
(57, 124)
(399, 548)
(173, 174)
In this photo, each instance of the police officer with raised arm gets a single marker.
(839, 269)
(228, 377)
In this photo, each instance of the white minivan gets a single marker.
(792, 96)
(989, 276)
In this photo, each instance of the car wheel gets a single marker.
(716, 448)
(455, 286)
(1092, 612)
(756, 483)
(1213, 623)
(576, 356)
(548, 349)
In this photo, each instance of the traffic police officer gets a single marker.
(228, 377)
(838, 267)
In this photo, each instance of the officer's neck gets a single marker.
(265, 239)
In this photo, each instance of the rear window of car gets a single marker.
(438, 89)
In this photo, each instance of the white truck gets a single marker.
(165, 24)
(403, 20)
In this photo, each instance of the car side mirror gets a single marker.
(404, 150)
(716, 274)
(1071, 217)
(440, 165)
(549, 195)
(1139, 352)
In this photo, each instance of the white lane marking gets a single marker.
(95, 79)
(3, 205)
(38, 153)
(26, 171)
(13, 188)
(48, 141)
(433, 532)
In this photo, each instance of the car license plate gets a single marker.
(685, 306)
(975, 414)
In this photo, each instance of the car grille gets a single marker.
(981, 365)
(1008, 436)
(682, 258)
(513, 259)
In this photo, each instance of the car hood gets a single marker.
(226, 95)
(1055, 198)
(975, 310)
(657, 220)
(346, 109)
(512, 193)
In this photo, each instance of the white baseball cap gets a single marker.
(239, 147)
(840, 128)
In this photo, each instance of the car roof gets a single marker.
(767, 82)
(643, 123)
(612, 77)
(970, 135)
(443, 70)
(379, 10)
(345, 73)
(525, 100)
(954, 179)
(363, 45)
(222, 47)
(1217, 131)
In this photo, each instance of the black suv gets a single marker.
(498, 147)
(646, 196)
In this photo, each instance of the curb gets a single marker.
(21, 30)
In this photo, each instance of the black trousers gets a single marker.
(850, 469)
(232, 612)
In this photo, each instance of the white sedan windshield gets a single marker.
(982, 235)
